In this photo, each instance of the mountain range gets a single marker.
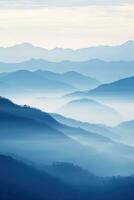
(25, 81)
(27, 51)
(62, 181)
(23, 181)
(122, 89)
(100, 70)
(100, 129)
(73, 78)
(35, 135)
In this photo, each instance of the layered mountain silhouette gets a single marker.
(24, 121)
(37, 136)
(19, 180)
(100, 129)
(73, 78)
(72, 174)
(30, 121)
(24, 81)
(67, 120)
(101, 70)
(27, 51)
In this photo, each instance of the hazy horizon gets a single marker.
(66, 24)
(56, 47)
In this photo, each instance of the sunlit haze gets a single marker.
(66, 25)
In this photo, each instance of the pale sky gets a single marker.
(66, 23)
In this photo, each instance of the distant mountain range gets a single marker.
(27, 51)
(100, 70)
(25, 82)
(122, 90)
(73, 78)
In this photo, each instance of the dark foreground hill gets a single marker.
(19, 181)
(24, 182)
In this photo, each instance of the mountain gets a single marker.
(98, 137)
(24, 81)
(106, 187)
(22, 181)
(75, 79)
(88, 110)
(27, 51)
(34, 135)
(72, 174)
(100, 129)
(102, 71)
(37, 136)
(30, 123)
(24, 121)
(122, 89)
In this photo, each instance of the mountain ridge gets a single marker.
(103, 71)
(27, 51)
(121, 89)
